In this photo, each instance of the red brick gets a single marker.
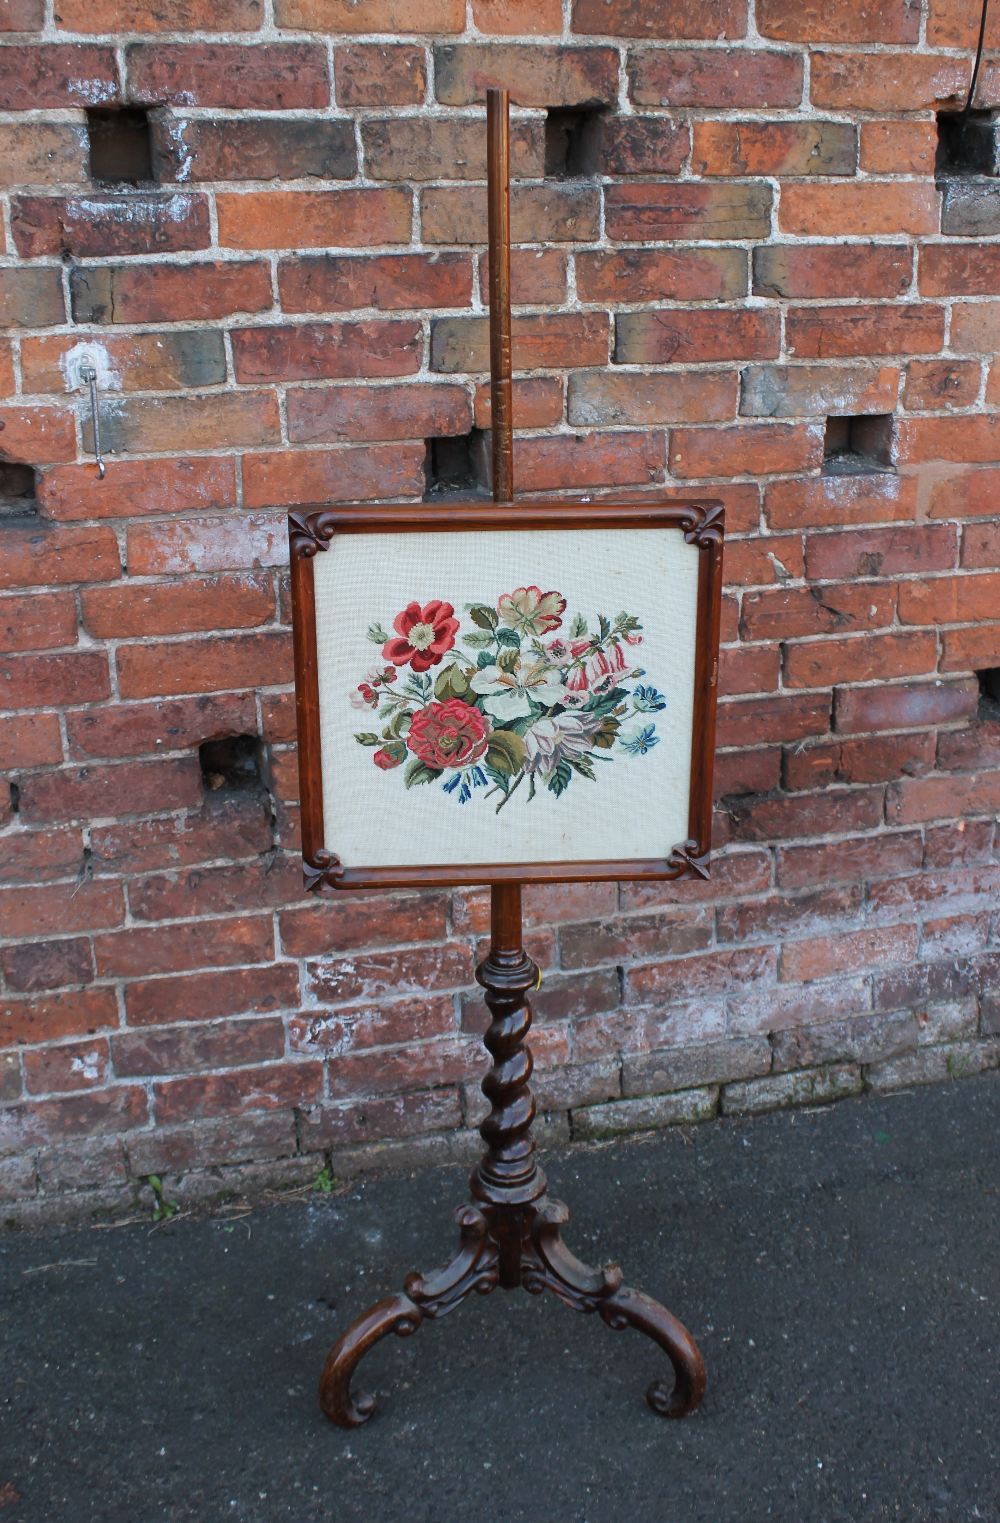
(315, 351)
(679, 335)
(135, 729)
(179, 948)
(570, 461)
(273, 1087)
(762, 562)
(194, 666)
(881, 552)
(951, 24)
(390, 1116)
(445, 1061)
(691, 20)
(51, 1016)
(539, 342)
(378, 15)
(256, 148)
(730, 79)
(746, 771)
(795, 391)
(849, 861)
(330, 1035)
(538, 402)
(904, 705)
(135, 222)
(550, 75)
(624, 938)
(197, 420)
(269, 882)
(754, 449)
(55, 908)
(380, 75)
(833, 332)
(807, 271)
(38, 435)
(882, 82)
(748, 670)
(300, 219)
(207, 544)
(232, 1139)
(31, 855)
(349, 413)
(714, 973)
(786, 915)
(133, 487)
(380, 973)
(831, 501)
(133, 16)
(993, 385)
(876, 759)
(39, 621)
(164, 293)
(207, 603)
(943, 798)
(960, 269)
(362, 921)
(185, 1049)
(549, 213)
(50, 75)
(980, 545)
(206, 996)
(839, 20)
(827, 956)
(932, 385)
(785, 816)
(782, 613)
(23, 16)
(74, 1066)
(975, 329)
(973, 747)
(538, 276)
(31, 298)
(949, 599)
(334, 283)
(898, 148)
(640, 145)
(43, 1121)
(39, 965)
(266, 77)
(673, 211)
(445, 148)
(337, 475)
(821, 663)
(99, 792)
(696, 274)
(166, 361)
(41, 682)
(42, 153)
(774, 148)
(685, 396)
(968, 650)
(227, 826)
(30, 740)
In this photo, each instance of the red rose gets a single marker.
(387, 759)
(424, 635)
(451, 734)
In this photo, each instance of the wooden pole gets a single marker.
(498, 203)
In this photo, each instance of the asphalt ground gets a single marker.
(839, 1268)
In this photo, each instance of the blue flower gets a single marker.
(640, 741)
(471, 777)
(648, 700)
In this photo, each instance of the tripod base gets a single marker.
(510, 1246)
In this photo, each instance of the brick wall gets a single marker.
(740, 235)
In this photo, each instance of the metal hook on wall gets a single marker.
(89, 374)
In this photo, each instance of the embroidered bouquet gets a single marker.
(508, 699)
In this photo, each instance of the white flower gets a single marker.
(564, 738)
(509, 695)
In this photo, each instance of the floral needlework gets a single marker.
(506, 700)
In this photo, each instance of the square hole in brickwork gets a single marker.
(572, 141)
(855, 445)
(989, 692)
(967, 143)
(18, 489)
(234, 764)
(457, 466)
(120, 147)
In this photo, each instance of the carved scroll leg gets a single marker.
(630, 1308)
(474, 1268)
(396, 1314)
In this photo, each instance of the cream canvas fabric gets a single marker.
(637, 804)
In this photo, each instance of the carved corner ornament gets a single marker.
(703, 524)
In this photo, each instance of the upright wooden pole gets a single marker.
(498, 202)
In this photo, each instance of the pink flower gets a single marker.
(424, 635)
(531, 611)
(451, 734)
(365, 697)
(633, 637)
(387, 759)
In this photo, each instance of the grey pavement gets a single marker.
(839, 1268)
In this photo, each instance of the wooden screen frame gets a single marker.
(311, 530)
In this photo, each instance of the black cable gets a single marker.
(975, 68)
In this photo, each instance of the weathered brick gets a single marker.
(788, 717)
(209, 603)
(141, 951)
(832, 332)
(969, 208)
(37, 621)
(265, 884)
(795, 391)
(42, 153)
(933, 1065)
(639, 145)
(786, 612)
(273, 1087)
(672, 211)
(335, 475)
(445, 148)
(538, 342)
(196, 420)
(231, 825)
(35, 77)
(185, 1049)
(569, 461)
(728, 79)
(821, 663)
(48, 1017)
(314, 219)
(828, 956)
(194, 666)
(651, 1111)
(831, 501)
(979, 545)
(535, 75)
(971, 649)
(207, 544)
(950, 599)
(39, 435)
(696, 274)
(883, 82)
(122, 730)
(538, 276)
(283, 76)
(133, 222)
(758, 449)
(168, 361)
(331, 1034)
(839, 20)
(72, 1066)
(904, 705)
(970, 748)
(60, 907)
(898, 148)
(785, 816)
(331, 283)
(683, 335)
(810, 1086)
(206, 996)
(624, 938)
(31, 297)
(163, 293)
(346, 413)
(705, 974)
(691, 20)
(133, 16)
(881, 552)
(939, 798)
(30, 740)
(36, 682)
(546, 213)
(808, 271)
(763, 562)
(935, 384)
(538, 402)
(376, 74)
(23, 16)
(849, 861)
(258, 148)
(367, 1120)
(774, 148)
(105, 1110)
(131, 488)
(687, 1067)
(379, 973)
(313, 351)
(36, 965)
(870, 760)
(127, 788)
(694, 396)
(378, 15)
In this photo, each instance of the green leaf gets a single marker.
(578, 627)
(505, 752)
(399, 725)
(508, 659)
(477, 641)
(607, 734)
(508, 637)
(605, 626)
(376, 634)
(485, 658)
(482, 616)
(584, 766)
(561, 778)
(419, 772)
(607, 703)
(451, 683)
(500, 778)
(367, 738)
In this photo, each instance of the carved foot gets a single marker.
(547, 1264)
(474, 1268)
